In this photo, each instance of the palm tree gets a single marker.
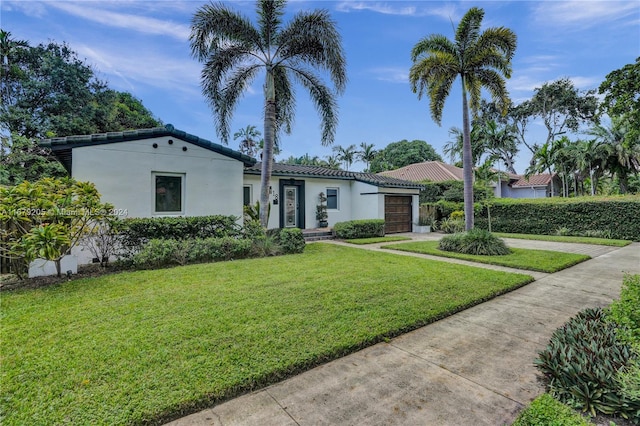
(248, 144)
(480, 60)
(542, 161)
(455, 146)
(623, 157)
(346, 155)
(234, 51)
(500, 143)
(366, 154)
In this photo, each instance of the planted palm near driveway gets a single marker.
(148, 346)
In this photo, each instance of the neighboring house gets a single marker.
(513, 186)
(167, 172)
(432, 171)
(535, 186)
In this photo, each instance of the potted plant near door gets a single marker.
(321, 211)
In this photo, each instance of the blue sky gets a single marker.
(142, 47)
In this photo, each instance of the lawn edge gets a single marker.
(302, 367)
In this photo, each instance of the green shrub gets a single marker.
(137, 232)
(290, 240)
(476, 241)
(580, 365)
(626, 311)
(457, 215)
(364, 228)
(165, 252)
(547, 411)
(614, 217)
(451, 226)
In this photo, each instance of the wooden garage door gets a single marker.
(397, 214)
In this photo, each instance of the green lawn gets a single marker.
(374, 240)
(148, 346)
(566, 239)
(532, 260)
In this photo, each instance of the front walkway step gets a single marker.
(317, 234)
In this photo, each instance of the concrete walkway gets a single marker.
(473, 368)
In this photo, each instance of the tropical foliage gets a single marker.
(402, 153)
(481, 60)
(234, 50)
(47, 91)
(45, 219)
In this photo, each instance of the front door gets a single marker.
(291, 206)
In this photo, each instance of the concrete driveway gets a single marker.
(473, 368)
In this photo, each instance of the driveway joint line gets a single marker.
(280, 405)
(441, 366)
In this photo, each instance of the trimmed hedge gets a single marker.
(364, 228)
(137, 232)
(165, 252)
(617, 217)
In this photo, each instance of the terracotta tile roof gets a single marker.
(534, 180)
(433, 171)
(294, 170)
(62, 146)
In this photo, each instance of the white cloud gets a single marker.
(129, 69)
(446, 12)
(391, 74)
(29, 8)
(134, 22)
(583, 13)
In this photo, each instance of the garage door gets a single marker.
(397, 214)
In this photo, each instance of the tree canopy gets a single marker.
(48, 91)
(402, 153)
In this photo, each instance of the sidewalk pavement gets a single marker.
(472, 368)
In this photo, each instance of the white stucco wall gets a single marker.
(122, 172)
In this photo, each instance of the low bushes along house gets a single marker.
(163, 171)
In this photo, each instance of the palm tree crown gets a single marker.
(480, 60)
(234, 51)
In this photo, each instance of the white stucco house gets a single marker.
(167, 172)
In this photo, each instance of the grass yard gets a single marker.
(149, 346)
(532, 260)
(566, 239)
(375, 240)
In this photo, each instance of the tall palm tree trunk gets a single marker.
(267, 151)
(467, 162)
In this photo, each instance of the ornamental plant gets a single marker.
(46, 218)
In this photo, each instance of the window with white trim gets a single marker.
(332, 199)
(168, 193)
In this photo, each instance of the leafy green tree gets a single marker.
(48, 91)
(480, 59)
(402, 153)
(27, 161)
(248, 143)
(622, 97)
(233, 51)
